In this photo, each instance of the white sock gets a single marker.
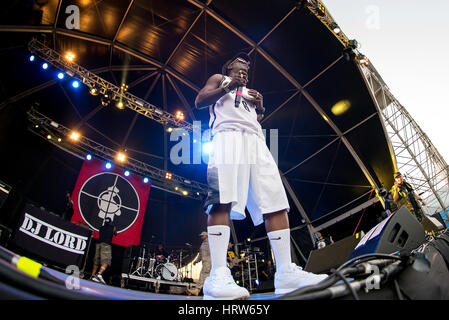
(280, 242)
(218, 237)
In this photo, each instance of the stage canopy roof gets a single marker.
(332, 145)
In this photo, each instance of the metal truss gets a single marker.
(57, 134)
(94, 81)
(416, 157)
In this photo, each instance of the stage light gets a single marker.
(105, 101)
(169, 129)
(334, 26)
(126, 173)
(120, 105)
(145, 180)
(93, 91)
(257, 282)
(121, 157)
(353, 44)
(74, 136)
(185, 193)
(59, 139)
(108, 165)
(194, 140)
(61, 75)
(179, 115)
(89, 157)
(32, 58)
(70, 56)
(176, 188)
(36, 126)
(207, 147)
(341, 107)
(75, 84)
(197, 193)
(124, 87)
(45, 66)
(49, 137)
(168, 175)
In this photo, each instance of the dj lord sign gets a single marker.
(102, 193)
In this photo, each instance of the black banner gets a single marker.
(52, 237)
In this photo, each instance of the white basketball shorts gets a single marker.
(242, 171)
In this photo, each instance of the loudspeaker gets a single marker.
(332, 256)
(399, 232)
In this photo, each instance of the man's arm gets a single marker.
(210, 93)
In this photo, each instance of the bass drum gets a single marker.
(167, 271)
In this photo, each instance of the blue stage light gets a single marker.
(61, 75)
(127, 173)
(32, 58)
(108, 165)
(207, 147)
(145, 180)
(89, 157)
(45, 66)
(75, 84)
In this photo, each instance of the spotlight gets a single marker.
(176, 188)
(185, 193)
(45, 66)
(108, 165)
(120, 105)
(121, 157)
(179, 115)
(145, 180)
(59, 139)
(126, 173)
(353, 44)
(169, 129)
(124, 87)
(75, 84)
(89, 157)
(69, 56)
(93, 91)
(207, 147)
(61, 75)
(168, 175)
(105, 101)
(334, 26)
(74, 136)
(49, 137)
(32, 58)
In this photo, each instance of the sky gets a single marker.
(407, 41)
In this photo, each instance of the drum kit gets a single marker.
(148, 264)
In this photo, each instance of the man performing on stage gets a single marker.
(242, 173)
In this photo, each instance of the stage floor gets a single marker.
(110, 292)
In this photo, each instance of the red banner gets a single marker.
(100, 193)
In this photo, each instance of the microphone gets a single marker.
(238, 96)
(188, 244)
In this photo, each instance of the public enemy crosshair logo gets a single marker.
(108, 195)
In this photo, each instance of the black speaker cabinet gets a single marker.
(331, 256)
(401, 232)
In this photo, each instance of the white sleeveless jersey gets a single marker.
(225, 116)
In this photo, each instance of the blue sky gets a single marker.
(408, 43)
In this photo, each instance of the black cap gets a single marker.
(397, 174)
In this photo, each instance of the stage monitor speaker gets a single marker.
(432, 224)
(332, 256)
(4, 192)
(401, 232)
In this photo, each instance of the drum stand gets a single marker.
(140, 269)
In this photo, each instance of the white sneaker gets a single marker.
(99, 278)
(293, 277)
(221, 286)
